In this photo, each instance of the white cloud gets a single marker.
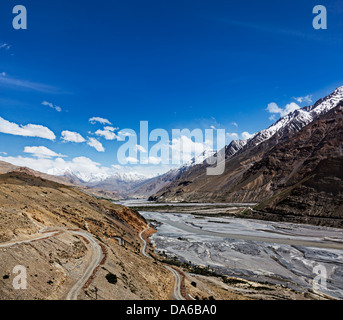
(51, 105)
(235, 124)
(155, 160)
(85, 168)
(27, 85)
(110, 128)
(107, 133)
(100, 120)
(235, 136)
(70, 136)
(307, 99)
(290, 108)
(246, 135)
(42, 152)
(184, 149)
(92, 142)
(275, 109)
(132, 160)
(3, 153)
(125, 134)
(5, 46)
(231, 136)
(141, 149)
(29, 130)
(3, 74)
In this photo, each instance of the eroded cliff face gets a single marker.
(317, 199)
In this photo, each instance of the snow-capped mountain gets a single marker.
(234, 147)
(83, 177)
(153, 185)
(298, 119)
(89, 178)
(133, 183)
(289, 124)
(237, 183)
(199, 159)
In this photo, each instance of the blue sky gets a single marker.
(176, 64)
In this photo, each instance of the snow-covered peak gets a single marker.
(128, 176)
(298, 119)
(197, 160)
(92, 177)
(325, 105)
(234, 147)
(291, 123)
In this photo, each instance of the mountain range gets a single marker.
(189, 182)
(274, 166)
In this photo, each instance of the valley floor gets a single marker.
(283, 254)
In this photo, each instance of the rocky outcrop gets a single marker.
(317, 199)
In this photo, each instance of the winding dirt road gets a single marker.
(177, 286)
(177, 277)
(40, 237)
(97, 253)
(96, 260)
(144, 243)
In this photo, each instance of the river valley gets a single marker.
(301, 257)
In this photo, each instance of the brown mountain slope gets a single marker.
(63, 204)
(56, 232)
(74, 246)
(317, 199)
(299, 179)
(195, 185)
(6, 167)
(257, 173)
(291, 161)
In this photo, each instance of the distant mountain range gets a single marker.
(128, 185)
(67, 179)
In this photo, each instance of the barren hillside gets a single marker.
(49, 228)
(74, 246)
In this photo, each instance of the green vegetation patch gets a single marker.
(111, 278)
(233, 281)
